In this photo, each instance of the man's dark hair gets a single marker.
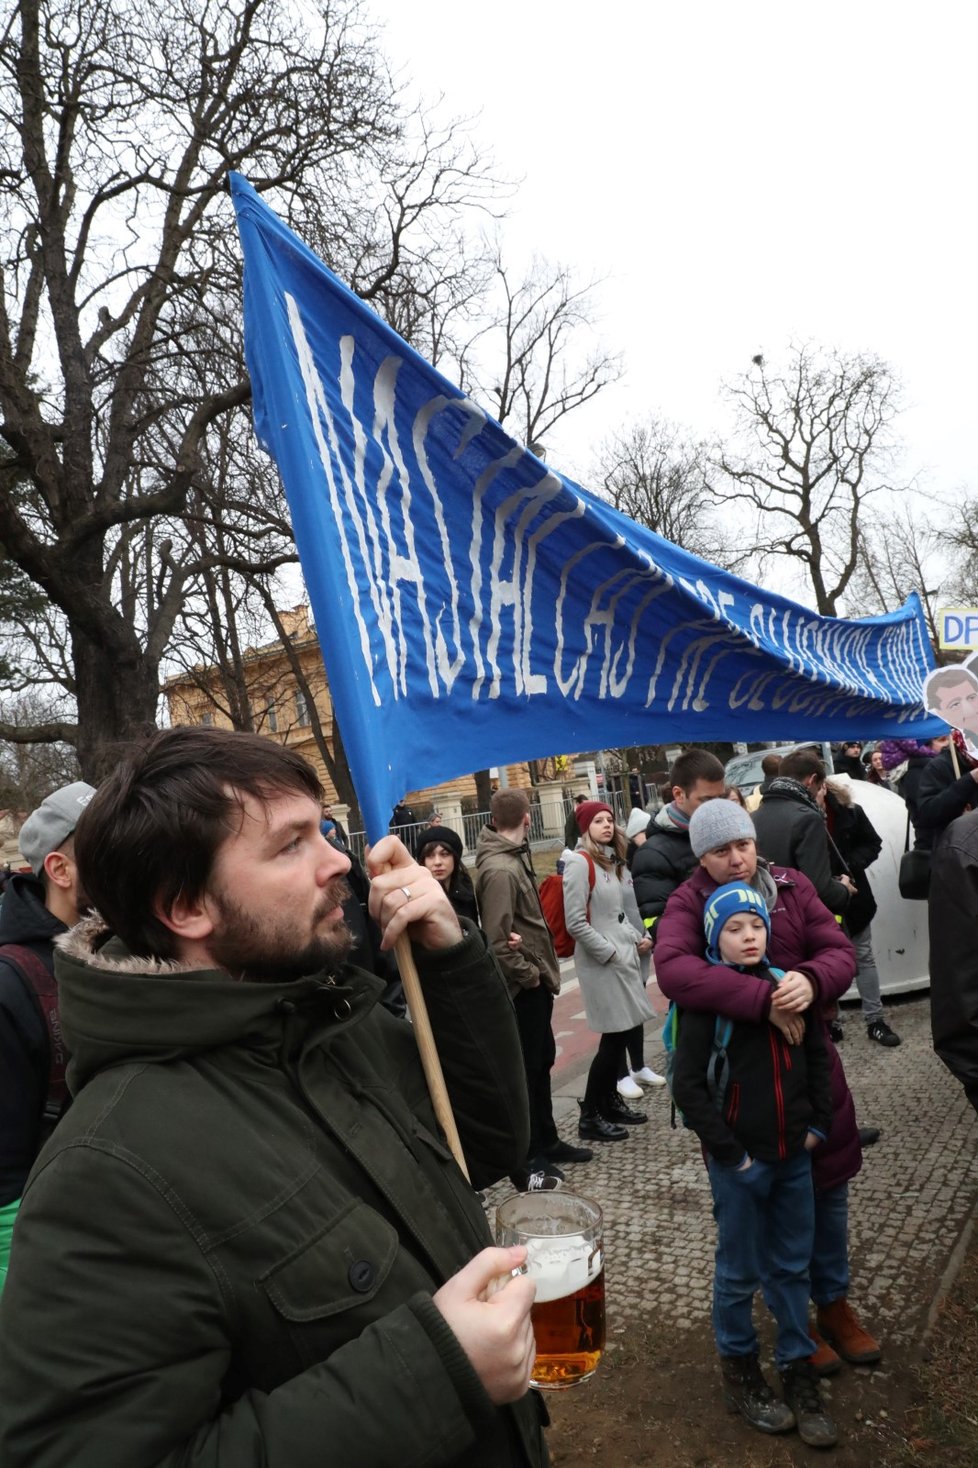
(800, 764)
(693, 765)
(771, 764)
(150, 833)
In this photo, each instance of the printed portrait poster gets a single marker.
(951, 694)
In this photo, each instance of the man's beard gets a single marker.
(269, 952)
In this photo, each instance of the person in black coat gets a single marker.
(953, 910)
(571, 833)
(666, 858)
(943, 794)
(855, 844)
(404, 823)
(791, 828)
(849, 761)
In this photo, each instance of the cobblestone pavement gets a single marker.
(917, 1189)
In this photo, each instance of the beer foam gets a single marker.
(561, 1266)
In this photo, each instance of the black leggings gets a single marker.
(602, 1078)
(635, 1046)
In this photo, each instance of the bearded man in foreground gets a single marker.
(247, 1242)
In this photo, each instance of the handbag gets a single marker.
(914, 878)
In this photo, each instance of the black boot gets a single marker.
(615, 1110)
(594, 1128)
(799, 1383)
(745, 1391)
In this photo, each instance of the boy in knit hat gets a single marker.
(759, 1107)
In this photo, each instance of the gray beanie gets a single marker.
(638, 822)
(52, 823)
(716, 822)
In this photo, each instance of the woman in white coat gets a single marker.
(611, 956)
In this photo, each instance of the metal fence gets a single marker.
(473, 822)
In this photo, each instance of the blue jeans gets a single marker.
(830, 1251)
(765, 1228)
(867, 975)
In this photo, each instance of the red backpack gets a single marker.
(552, 903)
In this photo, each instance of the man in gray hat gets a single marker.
(36, 908)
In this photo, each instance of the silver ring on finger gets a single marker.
(407, 893)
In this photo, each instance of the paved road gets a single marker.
(917, 1190)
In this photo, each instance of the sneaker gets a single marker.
(880, 1031)
(648, 1077)
(836, 1031)
(565, 1152)
(541, 1180)
(630, 1089)
(800, 1386)
(868, 1136)
(544, 1164)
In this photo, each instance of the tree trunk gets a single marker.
(117, 698)
(483, 789)
(343, 780)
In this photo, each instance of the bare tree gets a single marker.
(525, 362)
(659, 478)
(30, 772)
(815, 440)
(957, 537)
(900, 552)
(120, 351)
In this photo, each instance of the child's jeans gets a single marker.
(765, 1229)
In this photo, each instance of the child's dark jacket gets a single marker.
(775, 1092)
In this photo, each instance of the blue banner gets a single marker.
(476, 608)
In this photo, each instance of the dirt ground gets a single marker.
(656, 1401)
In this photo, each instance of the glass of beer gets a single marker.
(562, 1234)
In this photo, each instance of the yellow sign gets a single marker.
(958, 628)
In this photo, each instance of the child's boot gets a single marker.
(840, 1327)
(745, 1391)
(825, 1361)
(800, 1386)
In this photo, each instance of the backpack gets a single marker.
(717, 1069)
(552, 903)
(43, 988)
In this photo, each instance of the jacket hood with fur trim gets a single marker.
(117, 1008)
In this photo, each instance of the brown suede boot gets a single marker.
(825, 1361)
(839, 1326)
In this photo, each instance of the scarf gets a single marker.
(763, 882)
(678, 817)
(794, 790)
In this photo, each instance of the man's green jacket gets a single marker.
(226, 1253)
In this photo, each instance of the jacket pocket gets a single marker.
(341, 1268)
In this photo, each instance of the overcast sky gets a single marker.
(743, 175)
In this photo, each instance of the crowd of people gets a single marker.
(233, 1228)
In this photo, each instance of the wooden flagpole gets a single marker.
(430, 1062)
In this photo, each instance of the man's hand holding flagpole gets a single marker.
(410, 907)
